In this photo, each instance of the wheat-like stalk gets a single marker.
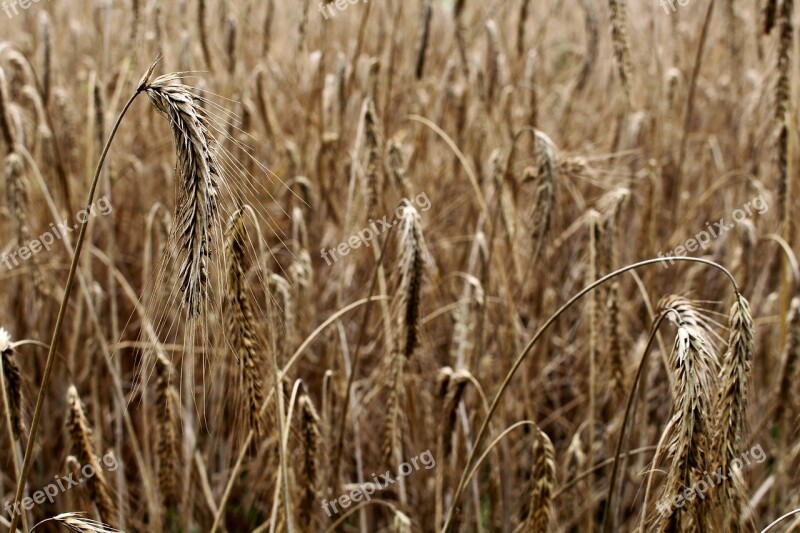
(731, 407)
(543, 481)
(619, 37)
(82, 448)
(373, 167)
(693, 368)
(393, 416)
(456, 384)
(312, 443)
(411, 278)
(397, 167)
(198, 174)
(241, 326)
(168, 446)
(541, 211)
(783, 89)
(17, 196)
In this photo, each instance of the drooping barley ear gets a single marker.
(541, 212)
(5, 120)
(693, 367)
(424, 35)
(44, 31)
(312, 443)
(168, 446)
(690, 314)
(731, 408)
(543, 481)
(619, 37)
(411, 277)
(198, 174)
(230, 43)
(201, 30)
(524, 8)
(81, 438)
(530, 86)
(241, 329)
(373, 170)
(770, 9)
(615, 361)
(13, 384)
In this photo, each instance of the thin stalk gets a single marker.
(354, 367)
(62, 311)
(687, 116)
(521, 357)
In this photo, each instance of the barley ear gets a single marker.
(198, 174)
(543, 481)
(241, 326)
(168, 447)
(81, 438)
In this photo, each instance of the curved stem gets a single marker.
(62, 311)
(521, 357)
(781, 519)
(609, 510)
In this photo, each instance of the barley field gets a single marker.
(412, 266)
